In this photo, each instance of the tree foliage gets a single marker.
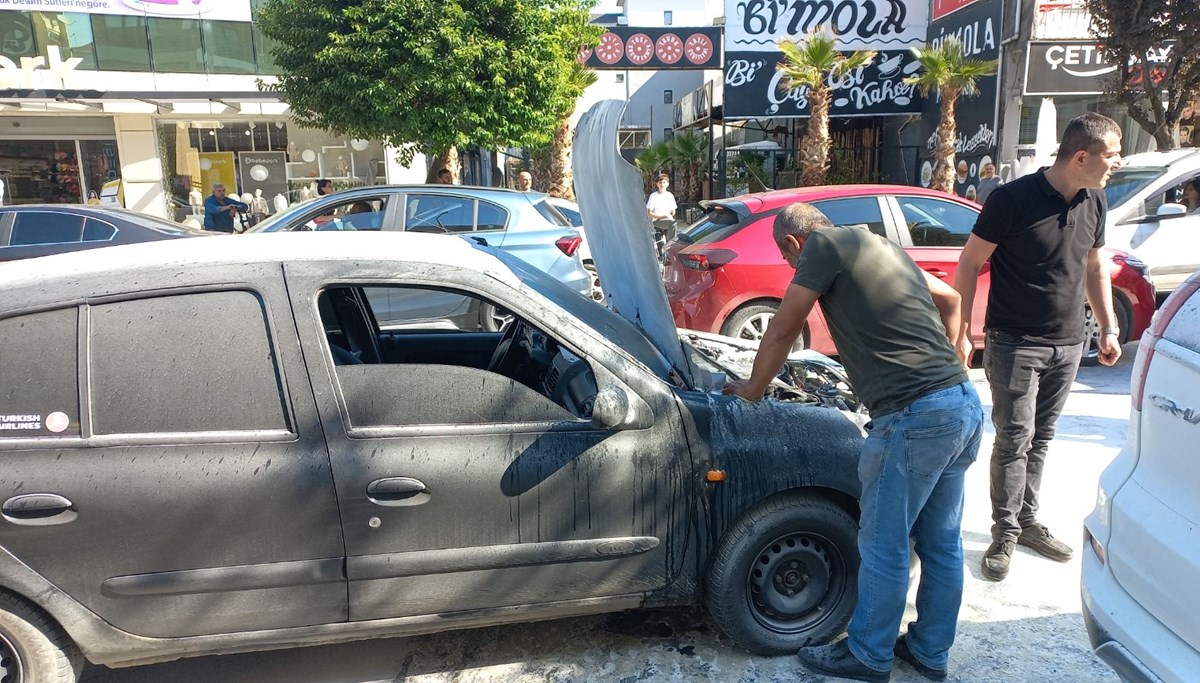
(815, 63)
(946, 69)
(1134, 34)
(426, 74)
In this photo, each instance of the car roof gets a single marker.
(774, 199)
(1164, 158)
(438, 188)
(259, 248)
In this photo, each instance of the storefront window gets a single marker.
(99, 164)
(16, 36)
(122, 43)
(71, 32)
(175, 45)
(41, 171)
(229, 47)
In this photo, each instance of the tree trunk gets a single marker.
(447, 159)
(814, 148)
(561, 181)
(943, 151)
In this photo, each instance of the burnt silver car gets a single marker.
(214, 447)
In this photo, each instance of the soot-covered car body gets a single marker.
(213, 448)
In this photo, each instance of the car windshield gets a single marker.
(550, 212)
(572, 215)
(717, 224)
(154, 223)
(612, 326)
(1128, 181)
(276, 222)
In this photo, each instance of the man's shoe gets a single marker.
(902, 652)
(1038, 538)
(838, 661)
(996, 560)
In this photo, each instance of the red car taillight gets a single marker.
(568, 245)
(709, 259)
(1157, 326)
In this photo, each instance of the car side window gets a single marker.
(439, 213)
(491, 217)
(45, 227)
(202, 362)
(937, 222)
(39, 394)
(363, 213)
(98, 231)
(859, 211)
(437, 358)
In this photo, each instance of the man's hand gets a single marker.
(963, 348)
(1110, 349)
(740, 388)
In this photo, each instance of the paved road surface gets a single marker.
(1027, 628)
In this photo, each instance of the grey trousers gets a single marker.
(1030, 383)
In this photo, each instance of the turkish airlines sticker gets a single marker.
(669, 48)
(57, 421)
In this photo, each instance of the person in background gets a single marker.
(661, 206)
(895, 326)
(524, 181)
(1191, 195)
(219, 210)
(987, 182)
(445, 177)
(1043, 235)
(324, 187)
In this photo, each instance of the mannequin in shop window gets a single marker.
(259, 205)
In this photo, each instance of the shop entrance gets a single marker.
(56, 171)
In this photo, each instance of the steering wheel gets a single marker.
(506, 355)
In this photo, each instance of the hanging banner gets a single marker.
(670, 48)
(216, 10)
(943, 7)
(265, 171)
(217, 167)
(759, 25)
(977, 26)
(755, 89)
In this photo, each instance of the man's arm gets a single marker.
(976, 252)
(777, 342)
(947, 300)
(1099, 296)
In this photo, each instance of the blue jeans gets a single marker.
(912, 469)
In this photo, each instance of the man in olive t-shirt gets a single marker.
(889, 320)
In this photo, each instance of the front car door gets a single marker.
(171, 474)
(465, 482)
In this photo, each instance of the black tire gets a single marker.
(33, 648)
(803, 543)
(750, 322)
(1091, 331)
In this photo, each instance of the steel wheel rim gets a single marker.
(1091, 334)
(807, 565)
(11, 670)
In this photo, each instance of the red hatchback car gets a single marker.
(724, 274)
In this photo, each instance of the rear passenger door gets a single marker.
(169, 471)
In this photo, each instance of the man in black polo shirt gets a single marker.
(1043, 233)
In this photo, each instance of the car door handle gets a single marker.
(937, 272)
(397, 492)
(38, 509)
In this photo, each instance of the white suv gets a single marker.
(1141, 555)
(1145, 219)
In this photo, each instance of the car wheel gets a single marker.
(750, 322)
(596, 293)
(493, 319)
(33, 648)
(1091, 331)
(785, 576)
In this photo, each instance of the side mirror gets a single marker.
(616, 408)
(1170, 210)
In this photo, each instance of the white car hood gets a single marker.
(611, 199)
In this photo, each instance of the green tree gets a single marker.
(652, 161)
(814, 63)
(1154, 89)
(430, 74)
(561, 181)
(947, 70)
(687, 153)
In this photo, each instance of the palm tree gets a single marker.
(945, 68)
(814, 64)
(651, 161)
(561, 182)
(686, 153)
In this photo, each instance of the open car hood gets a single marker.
(612, 201)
